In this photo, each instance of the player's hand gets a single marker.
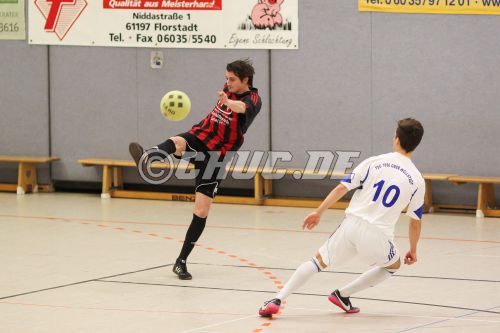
(222, 97)
(311, 220)
(410, 258)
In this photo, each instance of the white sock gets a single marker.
(301, 275)
(368, 279)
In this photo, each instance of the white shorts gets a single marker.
(356, 236)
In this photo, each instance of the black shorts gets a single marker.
(208, 179)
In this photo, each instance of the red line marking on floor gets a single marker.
(236, 228)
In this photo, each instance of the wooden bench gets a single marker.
(429, 206)
(27, 178)
(112, 185)
(486, 201)
(268, 173)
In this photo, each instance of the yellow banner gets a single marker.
(483, 7)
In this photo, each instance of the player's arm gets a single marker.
(414, 211)
(352, 181)
(312, 220)
(414, 235)
(235, 106)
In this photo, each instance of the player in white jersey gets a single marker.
(385, 185)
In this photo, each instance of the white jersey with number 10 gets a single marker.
(386, 184)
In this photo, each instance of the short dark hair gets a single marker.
(410, 133)
(242, 68)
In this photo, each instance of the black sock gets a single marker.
(193, 234)
(167, 147)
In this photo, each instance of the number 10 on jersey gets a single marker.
(387, 194)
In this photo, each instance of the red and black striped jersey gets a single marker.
(223, 130)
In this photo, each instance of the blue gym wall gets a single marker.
(354, 76)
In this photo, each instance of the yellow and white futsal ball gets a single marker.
(175, 105)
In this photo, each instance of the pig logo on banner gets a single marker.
(266, 14)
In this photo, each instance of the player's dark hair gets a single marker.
(242, 68)
(410, 133)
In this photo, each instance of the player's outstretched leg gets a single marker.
(368, 279)
(301, 275)
(138, 154)
(342, 302)
(143, 157)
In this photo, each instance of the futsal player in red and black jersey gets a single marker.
(222, 131)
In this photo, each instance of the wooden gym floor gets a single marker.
(76, 263)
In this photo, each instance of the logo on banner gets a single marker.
(266, 15)
(60, 15)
